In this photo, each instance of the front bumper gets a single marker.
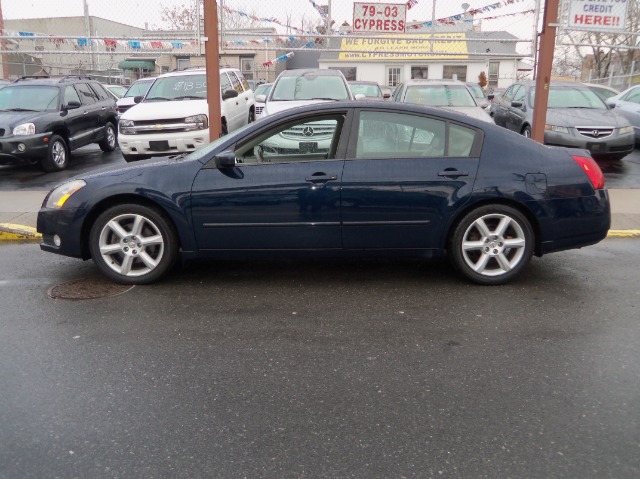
(613, 144)
(66, 223)
(33, 149)
(162, 144)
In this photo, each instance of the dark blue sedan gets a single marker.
(338, 178)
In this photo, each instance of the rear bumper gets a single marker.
(577, 222)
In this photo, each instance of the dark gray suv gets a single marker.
(42, 119)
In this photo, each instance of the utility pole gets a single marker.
(543, 73)
(3, 48)
(212, 62)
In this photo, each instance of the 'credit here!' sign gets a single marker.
(379, 17)
(598, 14)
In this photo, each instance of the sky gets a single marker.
(139, 12)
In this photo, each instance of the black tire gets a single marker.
(492, 244)
(110, 140)
(526, 131)
(57, 158)
(127, 259)
(225, 129)
(252, 115)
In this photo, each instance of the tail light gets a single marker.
(592, 170)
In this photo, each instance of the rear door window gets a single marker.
(87, 95)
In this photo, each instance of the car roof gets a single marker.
(433, 82)
(597, 85)
(363, 83)
(51, 81)
(311, 71)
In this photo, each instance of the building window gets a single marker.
(246, 67)
(348, 72)
(419, 72)
(183, 63)
(393, 76)
(460, 72)
(494, 68)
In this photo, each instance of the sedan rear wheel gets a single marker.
(133, 244)
(526, 131)
(492, 244)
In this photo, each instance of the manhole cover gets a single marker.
(88, 288)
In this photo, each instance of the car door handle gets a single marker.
(86, 113)
(103, 108)
(321, 178)
(453, 173)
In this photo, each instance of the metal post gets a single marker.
(328, 21)
(611, 75)
(433, 25)
(87, 32)
(222, 15)
(198, 26)
(212, 59)
(3, 48)
(543, 76)
(633, 68)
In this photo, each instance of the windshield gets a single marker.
(117, 90)
(181, 87)
(139, 88)
(205, 150)
(310, 87)
(263, 89)
(439, 95)
(26, 98)
(364, 89)
(476, 91)
(571, 97)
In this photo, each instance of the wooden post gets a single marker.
(212, 62)
(543, 73)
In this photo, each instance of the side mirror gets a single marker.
(491, 96)
(261, 98)
(72, 105)
(137, 99)
(386, 95)
(360, 96)
(226, 159)
(610, 104)
(517, 104)
(229, 94)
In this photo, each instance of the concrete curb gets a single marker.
(14, 232)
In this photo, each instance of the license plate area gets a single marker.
(308, 147)
(161, 145)
(596, 147)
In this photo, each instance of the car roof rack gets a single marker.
(60, 78)
(31, 77)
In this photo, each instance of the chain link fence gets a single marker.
(122, 40)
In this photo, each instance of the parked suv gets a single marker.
(42, 119)
(173, 117)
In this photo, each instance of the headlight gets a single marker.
(557, 129)
(126, 127)
(626, 129)
(58, 197)
(24, 129)
(200, 122)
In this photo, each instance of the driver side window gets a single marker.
(305, 140)
(70, 94)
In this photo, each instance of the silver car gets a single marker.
(576, 118)
(627, 104)
(449, 94)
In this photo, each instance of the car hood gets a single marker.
(572, 117)
(126, 101)
(15, 118)
(166, 109)
(473, 111)
(272, 107)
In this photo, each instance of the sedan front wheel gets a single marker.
(492, 244)
(133, 244)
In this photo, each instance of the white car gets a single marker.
(138, 88)
(173, 117)
(294, 88)
(627, 103)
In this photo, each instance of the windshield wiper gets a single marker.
(321, 98)
(159, 98)
(188, 97)
(19, 109)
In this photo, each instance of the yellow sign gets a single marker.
(392, 47)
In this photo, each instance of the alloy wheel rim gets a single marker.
(131, 245)
(59, 153)
(493, 244)
(111, 137)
